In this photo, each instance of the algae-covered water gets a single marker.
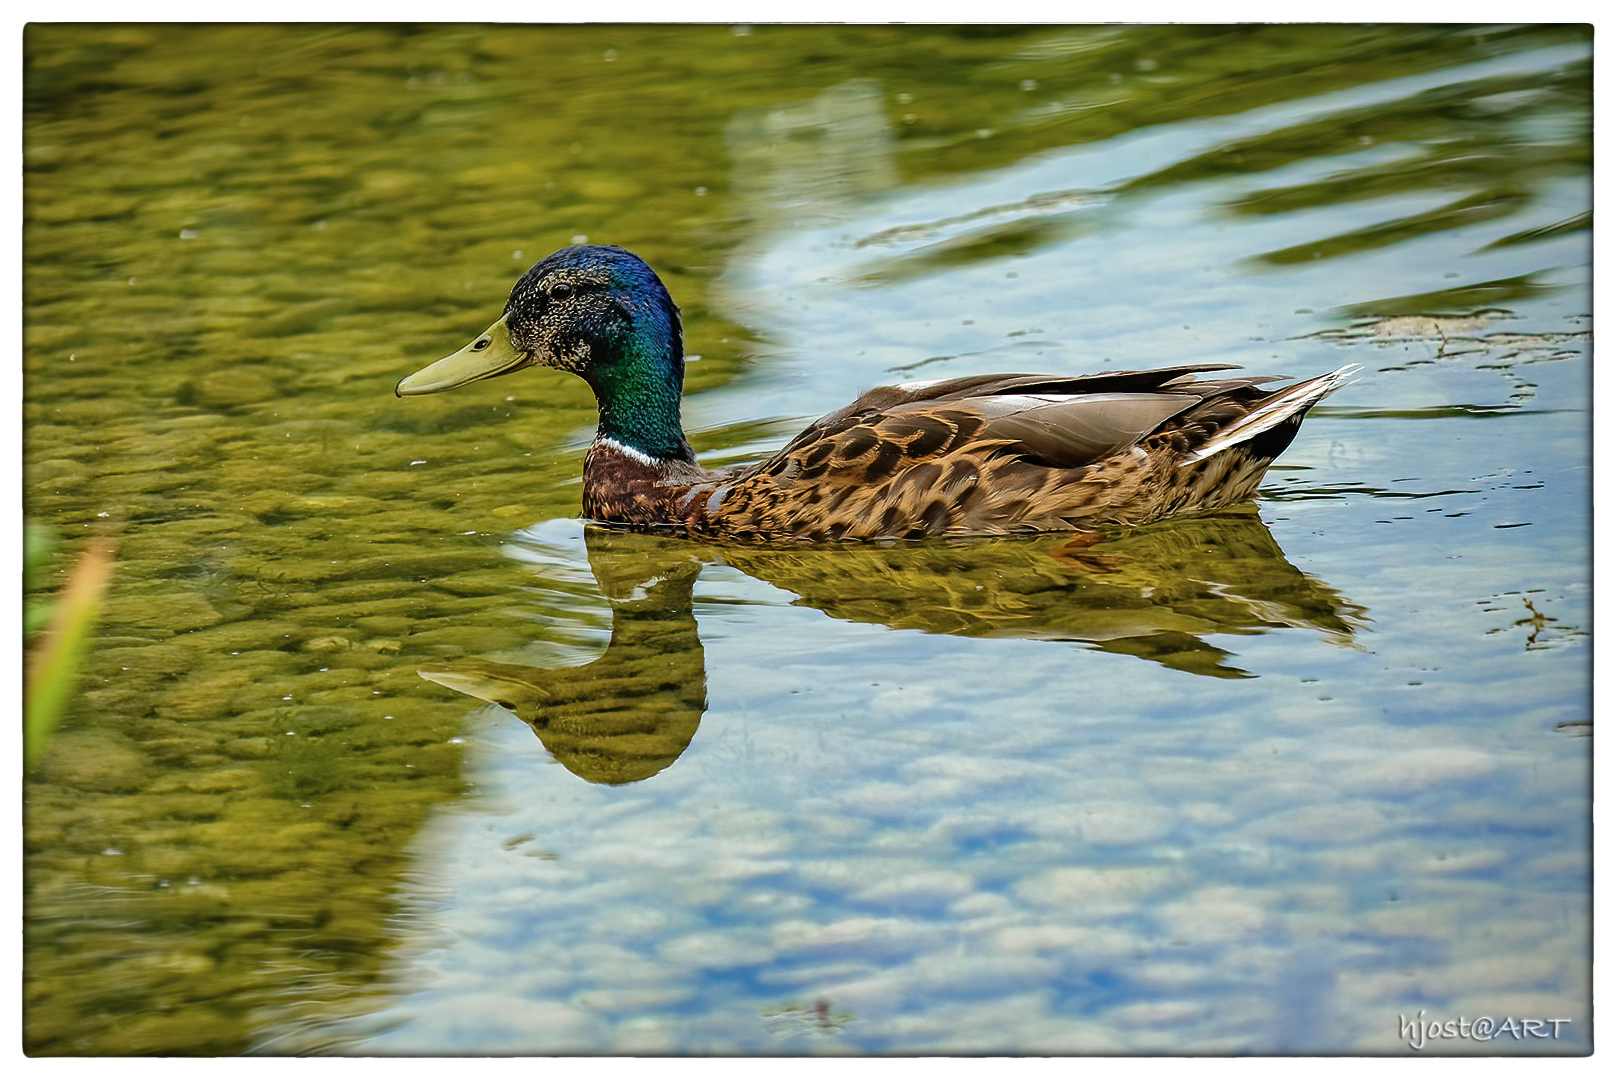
(1290, 778)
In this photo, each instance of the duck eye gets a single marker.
(560, 291)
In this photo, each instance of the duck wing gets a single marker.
(1058, 421)
(1009, 453)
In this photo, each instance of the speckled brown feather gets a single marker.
(978, 455)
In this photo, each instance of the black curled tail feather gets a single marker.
(1267, 429)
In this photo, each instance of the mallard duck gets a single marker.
(974, 455)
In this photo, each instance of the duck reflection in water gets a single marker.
(1155, 592)
(632, 711)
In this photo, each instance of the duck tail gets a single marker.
(1287, 404)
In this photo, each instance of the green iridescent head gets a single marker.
(601, 313)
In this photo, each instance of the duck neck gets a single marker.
(638, 389)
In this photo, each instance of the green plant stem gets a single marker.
(54, 663)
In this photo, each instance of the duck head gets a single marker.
(601, 313)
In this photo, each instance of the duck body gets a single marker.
(982, 454)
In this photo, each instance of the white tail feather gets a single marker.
(1302, 396)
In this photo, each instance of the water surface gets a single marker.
(1264, 782)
